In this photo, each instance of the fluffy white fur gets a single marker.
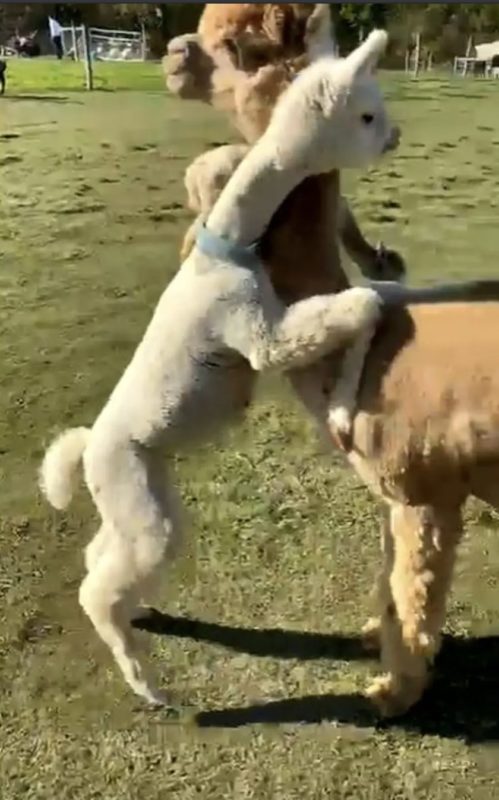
(216, 324)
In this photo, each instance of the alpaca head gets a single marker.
(333, 115)
(194, 70)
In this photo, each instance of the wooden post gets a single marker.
(469, 48)
(417, 55)
(87, 57)
(143, 41)
(75, 43)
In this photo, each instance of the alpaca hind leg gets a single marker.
(96, 548)
(143, 534)
(381, 593)
(108, 606)
(172, 504)
(425, 541)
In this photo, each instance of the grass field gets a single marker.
(263, 654)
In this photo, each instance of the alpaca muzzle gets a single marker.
(393, 140)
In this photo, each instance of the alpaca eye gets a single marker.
(367, 118)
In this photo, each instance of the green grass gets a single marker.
(282, 535)
(49, 75)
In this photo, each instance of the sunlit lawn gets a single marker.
(263, 655)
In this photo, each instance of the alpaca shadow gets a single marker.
(271, 642)
(42, 98)
(462, 703)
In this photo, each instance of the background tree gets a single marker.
(445, 27)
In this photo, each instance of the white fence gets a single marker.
(105, 44)
(469, 65)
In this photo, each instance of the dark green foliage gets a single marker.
(445, 27)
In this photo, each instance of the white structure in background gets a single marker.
(105, 44)
(483, 59)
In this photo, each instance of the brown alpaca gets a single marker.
(249, 98)
(281, 24)
(426, 435)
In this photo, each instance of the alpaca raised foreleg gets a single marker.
(344, 395)
(425, 540)
(377, 263)
(285, 338)
(205, 179)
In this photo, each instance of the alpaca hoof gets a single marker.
(160, 699)
(340, 419)
(155, 700)
(394, 696)
(371, 635)
(142, 614)
(389, 265)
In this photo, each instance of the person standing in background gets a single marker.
(3, 70)
(56, 37)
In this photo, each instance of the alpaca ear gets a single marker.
(319, 37)
(366, 57)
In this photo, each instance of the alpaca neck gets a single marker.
(256, 190)
(300, 248)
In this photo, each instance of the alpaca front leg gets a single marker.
(271, 337)
(377, 263)
(343, 398)
(425, 541)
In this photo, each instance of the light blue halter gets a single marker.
(215, 246)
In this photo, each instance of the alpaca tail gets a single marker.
(58, 470)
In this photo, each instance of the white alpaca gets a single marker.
(217, 323)
(205, 179)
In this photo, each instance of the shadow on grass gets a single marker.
(43, 98)
(271, 642)
(462, 703)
